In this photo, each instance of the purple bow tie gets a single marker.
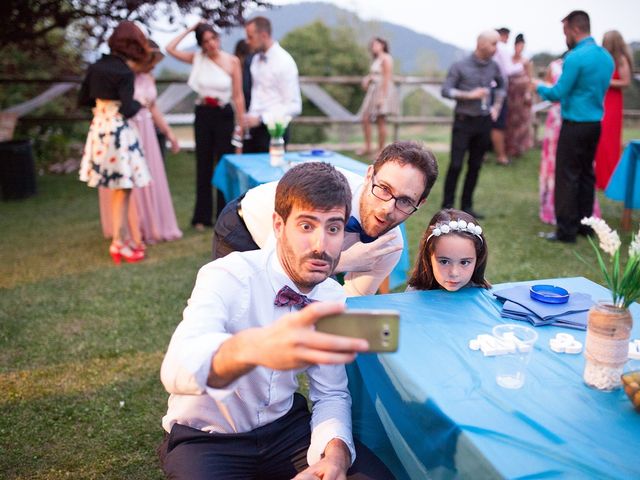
(287, 297)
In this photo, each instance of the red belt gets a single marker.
(211, 102)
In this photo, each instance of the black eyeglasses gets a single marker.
(403, 204)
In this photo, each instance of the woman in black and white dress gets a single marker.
(112, 156)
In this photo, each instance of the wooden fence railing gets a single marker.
(335, 113)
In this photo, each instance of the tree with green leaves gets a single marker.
(27, 21)
(321, 51)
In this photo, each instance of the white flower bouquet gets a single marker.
(276, 124)
(624, 283)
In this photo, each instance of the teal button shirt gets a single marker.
(585, 78)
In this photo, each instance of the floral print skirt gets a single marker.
(112, 156)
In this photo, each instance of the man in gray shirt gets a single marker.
(470, 82)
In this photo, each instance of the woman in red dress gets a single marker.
(608, 153)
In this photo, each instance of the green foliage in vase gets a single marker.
(624, 282)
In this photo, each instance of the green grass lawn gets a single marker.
(81, 340)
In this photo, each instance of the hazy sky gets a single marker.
(459, 21)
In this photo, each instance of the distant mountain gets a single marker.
(412, 52)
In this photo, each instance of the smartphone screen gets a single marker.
(379, 327)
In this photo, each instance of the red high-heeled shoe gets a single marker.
(119, 251)
(138, 247)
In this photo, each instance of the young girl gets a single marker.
(453, 254)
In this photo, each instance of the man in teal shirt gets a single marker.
(586, 74)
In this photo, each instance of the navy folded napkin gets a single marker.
(518, 305)
(575, 320)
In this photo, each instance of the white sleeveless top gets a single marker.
(208, 79)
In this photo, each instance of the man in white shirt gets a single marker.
(275, 91)
(393, 188)
(503, 57)
(231, 366)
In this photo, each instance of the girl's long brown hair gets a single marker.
(617, 47)
(422, 277)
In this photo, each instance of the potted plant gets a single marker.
(609, 325)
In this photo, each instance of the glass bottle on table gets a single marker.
(607, 346)
(276, 151)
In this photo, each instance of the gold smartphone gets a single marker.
(379, 327)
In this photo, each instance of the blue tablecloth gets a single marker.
(434, 408)
(235, 174)
(624, 184)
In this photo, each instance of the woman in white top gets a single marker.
(381, 99)
(216, 77)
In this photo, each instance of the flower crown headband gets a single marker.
(456, 226)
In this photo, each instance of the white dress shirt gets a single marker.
(275, 89)
(258, 205)
(232, 294)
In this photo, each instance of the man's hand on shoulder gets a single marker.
(332, 466)
(361, 257)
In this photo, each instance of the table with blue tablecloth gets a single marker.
(235, 174)
(434, 410)
(624, 184)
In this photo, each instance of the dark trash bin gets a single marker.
(17, 170)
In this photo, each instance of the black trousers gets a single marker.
(259, 140)
(472, 134)
(271, 452)
(213, 129)
(230, 234)
(575, 178)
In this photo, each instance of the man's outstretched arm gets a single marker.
(289, 343)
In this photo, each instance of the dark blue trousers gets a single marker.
(271, 452)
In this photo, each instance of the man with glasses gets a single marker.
(394, 187)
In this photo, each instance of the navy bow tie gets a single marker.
(262, 57)
(353, 226)
(287, 297)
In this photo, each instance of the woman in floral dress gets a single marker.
(112, 156)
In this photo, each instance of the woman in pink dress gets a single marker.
(548, 155)
(608, 152)
(152, 218)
